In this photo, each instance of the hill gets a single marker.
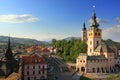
(21, 41)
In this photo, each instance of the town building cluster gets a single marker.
(31, 65)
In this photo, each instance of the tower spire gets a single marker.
(9, 54)
(94, 23)
(84, 27)
(9, 42)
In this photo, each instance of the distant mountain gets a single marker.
(70, 38)
(23, 41)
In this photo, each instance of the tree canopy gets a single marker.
(69, 50)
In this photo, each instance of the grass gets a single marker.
(85, 78)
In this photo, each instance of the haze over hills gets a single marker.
(26, 41)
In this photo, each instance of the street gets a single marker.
(60, 70)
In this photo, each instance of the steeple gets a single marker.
(9, 43)
(84, 33)
(84, 27)
(9, 54)
(93, 23)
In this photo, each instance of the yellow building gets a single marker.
(100, 56)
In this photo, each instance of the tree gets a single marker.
(69, 50)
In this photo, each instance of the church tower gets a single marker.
(94, 35)
(84, 33)
(9, 54)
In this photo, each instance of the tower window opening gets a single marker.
(97, 43)
(99, 34)
(90, 42)
(95, 34)
(91, 34)
(90, 50)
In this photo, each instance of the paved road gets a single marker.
(64, 75)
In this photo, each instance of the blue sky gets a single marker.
(47, 19)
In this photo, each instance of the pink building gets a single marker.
(34, 67)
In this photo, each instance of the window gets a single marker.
(28, 78)
(99, 34)
(27, 72)
(83, 61)
(33, 72)
(27, 67)
(39, 72)
(97, 43)
(110, 59)
(91, 34)
(95, 34)
(90, 50)
(33, 67)
(39, 66)
(80, 60)
(43, 69)
(93, 69)
(90, 42)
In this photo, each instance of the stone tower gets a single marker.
(94, 35)
(84, 33)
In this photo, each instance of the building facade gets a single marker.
(34, 67)
(100, 56)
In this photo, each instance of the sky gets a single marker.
(48, 19)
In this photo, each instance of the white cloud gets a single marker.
(13, 18)
(118, 19)
(112, 33)
(100, 21)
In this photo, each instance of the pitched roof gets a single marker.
(104, 48)
(34, 59)
(95, 57)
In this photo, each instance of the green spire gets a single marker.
(94, 23)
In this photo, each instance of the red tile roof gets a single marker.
(34, 59)
(39, 48)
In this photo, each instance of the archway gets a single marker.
(98, 70)
(102, 70)
(77, 69)
(83, 69)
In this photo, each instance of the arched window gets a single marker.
(98, 70)
(83, 69)
(90, 42)
(93, 70)
(97, 43)
(90, 49)
(102, 70)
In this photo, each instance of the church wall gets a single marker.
(81, 62)
(95, 64)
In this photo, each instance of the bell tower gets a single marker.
(94, 35)
(84, 33)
